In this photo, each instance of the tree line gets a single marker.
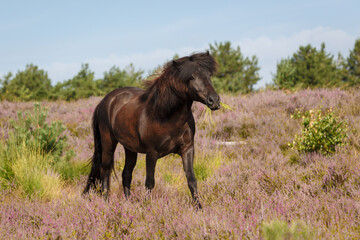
(312, 68)
(308, 67)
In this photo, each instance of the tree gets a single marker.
(4, 90)
(285, 74)
(117, 78)
(308, 68)
(352, 66)
(235, 73)
(30, 84)
(82, 85)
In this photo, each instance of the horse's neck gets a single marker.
(177, 113)
(182, 110)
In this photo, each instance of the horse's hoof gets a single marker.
(127, 193)
(197, 205)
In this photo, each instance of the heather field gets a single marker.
(250, 181)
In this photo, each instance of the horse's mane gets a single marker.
(168, 90)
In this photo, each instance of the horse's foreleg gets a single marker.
(187, 156)
(130, 162)
(150, 171)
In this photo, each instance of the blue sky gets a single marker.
(58, 36)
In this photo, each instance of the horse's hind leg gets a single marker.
(130, 162)
(107, 162)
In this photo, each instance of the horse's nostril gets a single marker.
(210, 101)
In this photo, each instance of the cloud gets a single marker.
(59, 71)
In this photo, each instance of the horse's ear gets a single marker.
(190, 58)
(207, 52)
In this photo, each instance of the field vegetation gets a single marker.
(281, 162)
(253, 181)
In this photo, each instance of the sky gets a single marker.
(60, 36)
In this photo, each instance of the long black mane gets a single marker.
(168, 91)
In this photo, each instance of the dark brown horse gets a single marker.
(156, 121)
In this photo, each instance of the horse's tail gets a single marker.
(95, 163)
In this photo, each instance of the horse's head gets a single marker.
(197, 69)
(202, 90)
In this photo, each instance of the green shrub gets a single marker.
(33, 156)
(33, 130)
(280, 230)
(321, 132)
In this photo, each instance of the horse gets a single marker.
(155, 121)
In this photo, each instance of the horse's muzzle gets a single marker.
(213, 102)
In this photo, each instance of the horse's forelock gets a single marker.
(205, 61)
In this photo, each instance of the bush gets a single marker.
(33, 130)
(33, 156)
(321, 132)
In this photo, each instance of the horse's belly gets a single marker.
(126, 134)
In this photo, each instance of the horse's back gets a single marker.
(123, 93)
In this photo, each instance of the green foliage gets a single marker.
(30, 84)
(34, 84)
(35, 132)
(33, 156)
(201, 170)
(308, 68)
(322, 132)
(235, 73)
(82, 85)
(69, 170)
(117, 78)
(352, 66)
(280, 230)
(205, 165)
(285, 74)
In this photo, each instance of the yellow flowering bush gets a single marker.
(322, 131)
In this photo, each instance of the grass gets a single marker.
(30, 171)
(280, 230)
(32, 157)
